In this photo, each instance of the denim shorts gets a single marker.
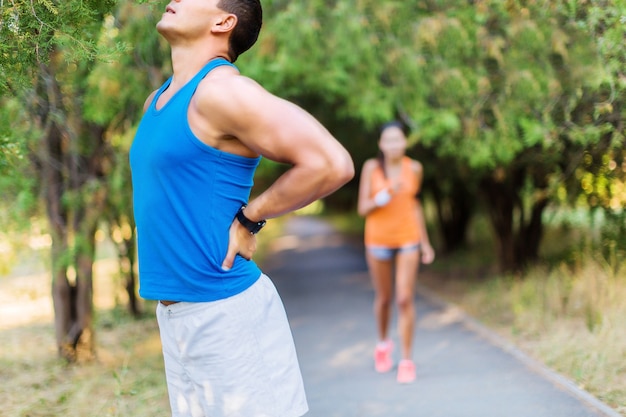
(384, 253)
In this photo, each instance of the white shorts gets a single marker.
(233, 357)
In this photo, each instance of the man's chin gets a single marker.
(162, 27)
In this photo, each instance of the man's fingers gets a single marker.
(241, 243)
(228, 261)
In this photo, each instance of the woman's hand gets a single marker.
(428, 253)
(382, 197)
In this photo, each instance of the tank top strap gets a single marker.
(189, 89)
(211, 65)
(192, 85)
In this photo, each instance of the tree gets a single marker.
(115, 98)
(82, 95)
(54, 44)
(499, 90)
(598, 181)
(513, 104)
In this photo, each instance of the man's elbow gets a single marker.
(343, 170)
(331, 173)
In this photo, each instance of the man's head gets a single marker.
(249, 20)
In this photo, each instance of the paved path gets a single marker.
(461, 371)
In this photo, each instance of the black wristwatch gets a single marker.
(253, 227)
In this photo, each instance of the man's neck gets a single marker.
(186, 62)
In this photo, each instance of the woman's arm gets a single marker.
(427, 251)
(365, 203)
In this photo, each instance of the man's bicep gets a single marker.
(280, 130)
(266, 124)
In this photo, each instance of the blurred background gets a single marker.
(516, 110)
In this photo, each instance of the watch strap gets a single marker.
(253, 227)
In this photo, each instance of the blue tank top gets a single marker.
(185, 196)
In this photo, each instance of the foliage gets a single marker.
(118, 88)
(56, 46)
(519, 100)
(500, 95)
(17, 180)
(478, 81)
(37, 28)
(33, 30)
(598, 180)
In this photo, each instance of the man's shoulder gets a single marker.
(235, 95)
(225, 78)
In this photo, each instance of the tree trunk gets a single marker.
(124, 238)
(501, 200)
(63, 294)
(74, 198)
(532, 233)
(62, 300)
(131, 278)
(454, 212)
(83, 302)
(516, 246)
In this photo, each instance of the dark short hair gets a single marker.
(249, 21)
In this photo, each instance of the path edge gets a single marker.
(557, 379)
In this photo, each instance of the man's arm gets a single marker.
(283, 132)
(242, 110)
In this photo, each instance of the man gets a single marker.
(227, 345)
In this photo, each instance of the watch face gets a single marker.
(259, 226)
(256, 227)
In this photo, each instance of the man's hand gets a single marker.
(240, 241)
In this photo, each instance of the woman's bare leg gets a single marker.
(382, 280)
(407, 264)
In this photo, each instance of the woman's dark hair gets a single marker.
(393, 123)
(249, 21)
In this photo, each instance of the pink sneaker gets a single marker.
(406, 371)
(382, 356)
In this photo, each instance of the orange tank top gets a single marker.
(395, 224)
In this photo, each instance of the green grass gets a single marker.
(569, 317)
(126, 379)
